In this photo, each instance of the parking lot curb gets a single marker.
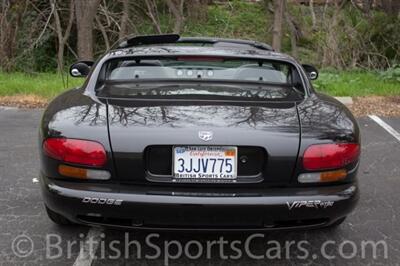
(345, 100)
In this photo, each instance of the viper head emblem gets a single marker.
(206, 135)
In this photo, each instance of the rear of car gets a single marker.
(198, 138)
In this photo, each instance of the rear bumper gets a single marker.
(153, 208)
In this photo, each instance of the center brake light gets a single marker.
(77, 151)
(330, 156)
(201, 58)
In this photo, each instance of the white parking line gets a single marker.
(88, 250)
(7, 108)
(386, 126)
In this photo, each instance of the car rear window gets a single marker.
(201, 67)
(163, 77)
(195, 91)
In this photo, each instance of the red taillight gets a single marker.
(77, 151)
(330, 156)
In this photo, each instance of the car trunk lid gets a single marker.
(143, 132)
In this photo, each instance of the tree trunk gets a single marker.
(331, 52)
(11, 16)
(152, 13)
(62, 38)
(293, 33)
(279, 6)
(391, 7)
(197, 10)
(367, 6)
(124, 19)
(313, 17)
(85, 14)
(176, 8)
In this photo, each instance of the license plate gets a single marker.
(205, 162)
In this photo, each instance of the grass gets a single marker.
(48, 85)
(356, 83)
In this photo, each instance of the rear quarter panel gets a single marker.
(74, 115)
(324, 119)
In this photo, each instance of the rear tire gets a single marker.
(57, 218)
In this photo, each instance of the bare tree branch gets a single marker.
(62, 37)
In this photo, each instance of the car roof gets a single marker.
(173, 44)
(131, 41)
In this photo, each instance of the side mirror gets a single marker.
(80, 69)
(311, 71)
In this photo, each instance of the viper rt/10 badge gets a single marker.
(317, 204)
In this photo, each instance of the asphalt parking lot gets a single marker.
(28, 237)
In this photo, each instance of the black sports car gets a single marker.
(198, 133)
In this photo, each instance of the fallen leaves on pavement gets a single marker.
(23, 101)
(376, 105)
(362, 106)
